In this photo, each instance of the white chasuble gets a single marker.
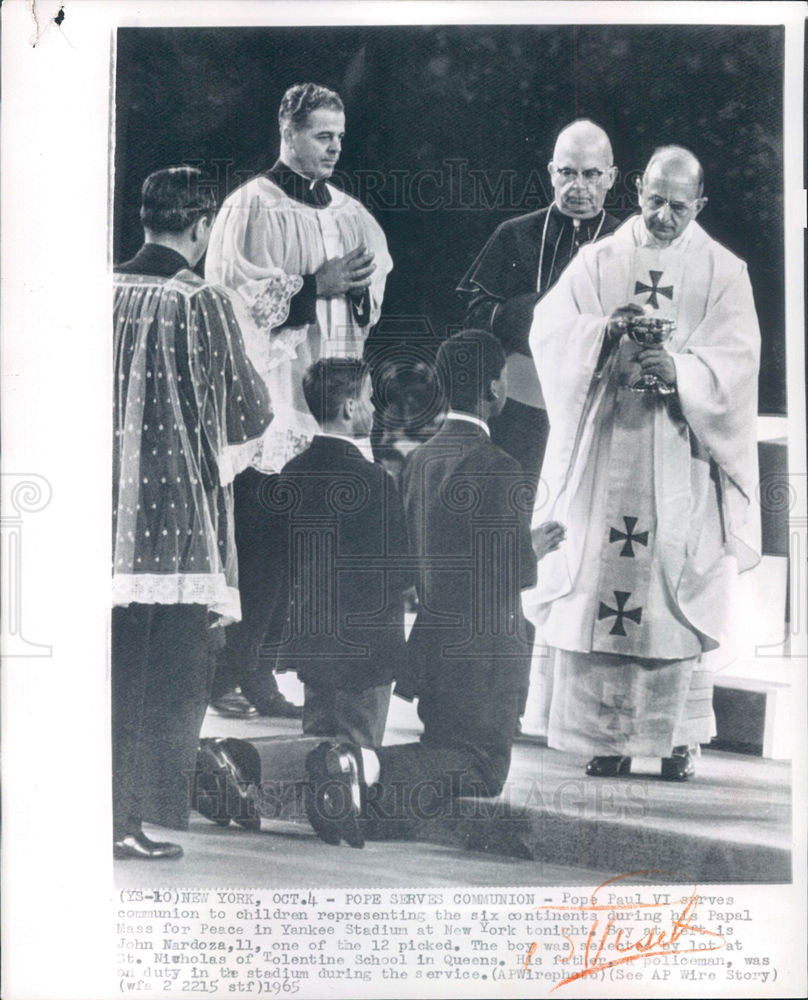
(657, 493)
(635, 614)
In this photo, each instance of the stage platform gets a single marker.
(551, 826)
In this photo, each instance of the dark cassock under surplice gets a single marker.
(270, 238)
(520, 263)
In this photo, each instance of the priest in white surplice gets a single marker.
(308, 261)
(657, 492)
(308, 264)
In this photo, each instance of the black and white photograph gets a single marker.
(429, 499)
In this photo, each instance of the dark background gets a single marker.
(449, 130)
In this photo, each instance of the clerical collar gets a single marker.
(298, 187)
(589, 227)
(456, 415)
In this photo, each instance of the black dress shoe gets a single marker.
(138, 846)
(225, 792)
(334, 794)
(679, 766)
(608, 767)
(279, 708)
(208, 794)
(314, 801)
(233, 705)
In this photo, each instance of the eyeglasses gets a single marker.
(678, 208)
(590, 176)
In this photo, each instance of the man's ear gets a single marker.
(700, 203)
(201, 228)
(612, 172)
(348, 407)
(550, 168)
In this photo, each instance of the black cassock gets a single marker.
(502, 288)
(468, 512)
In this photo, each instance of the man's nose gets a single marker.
(664, 213)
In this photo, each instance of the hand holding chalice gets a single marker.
(657, 372)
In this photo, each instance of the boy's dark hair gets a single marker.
(174, 198)
(467, 363)
(301, 99)
(329, 382)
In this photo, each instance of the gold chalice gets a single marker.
(650, 331)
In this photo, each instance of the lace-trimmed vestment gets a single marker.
(269, 239)
(188, 404)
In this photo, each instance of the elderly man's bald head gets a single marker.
(678, 162)
(584, 133)
(671, 192)
(581, 169)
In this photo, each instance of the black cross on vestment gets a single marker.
(635, 615)
(654, 289)
(622, 713)
(641, 538)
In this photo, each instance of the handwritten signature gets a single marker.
(604, 947)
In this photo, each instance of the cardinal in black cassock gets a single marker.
(521, 262)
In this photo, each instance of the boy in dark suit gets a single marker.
(468, 507)
(343, 569)
(346, 527)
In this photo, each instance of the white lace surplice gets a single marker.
(263, 242)
(188, 408)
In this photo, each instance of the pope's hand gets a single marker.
(618, 321)
(547, 537)
(627, 363)
(345, 274)
(657, 361)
